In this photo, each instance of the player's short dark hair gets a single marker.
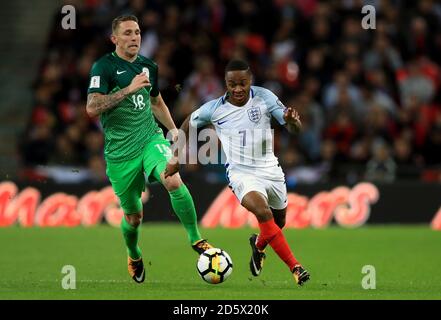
(122, 18)
(237, 65)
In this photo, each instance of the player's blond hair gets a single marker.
(122, 18)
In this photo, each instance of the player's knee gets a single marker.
(134, 219)
(172, 183)
(262, 213)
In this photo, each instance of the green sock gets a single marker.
(183, 205)
(130, 235)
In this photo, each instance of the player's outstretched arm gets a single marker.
(98, 103)
(173, 164)
(292, 119)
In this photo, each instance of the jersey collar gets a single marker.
(117, 56)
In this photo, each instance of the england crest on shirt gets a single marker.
(254, 114)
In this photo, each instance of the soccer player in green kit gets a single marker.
(123, 92)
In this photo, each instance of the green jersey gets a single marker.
(130, 124)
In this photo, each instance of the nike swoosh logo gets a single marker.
(119, 72)
(140, 277)
(221, 122)
(257, 271)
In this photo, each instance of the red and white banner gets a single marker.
(349, 207)
(58, 209)
(436, 221)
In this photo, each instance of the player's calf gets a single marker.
(279, 217)
(134, 219)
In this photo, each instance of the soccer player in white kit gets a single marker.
(242, 119)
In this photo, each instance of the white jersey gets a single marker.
(245, 132)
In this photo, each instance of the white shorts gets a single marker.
(274, 190)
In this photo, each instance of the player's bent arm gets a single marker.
(161, 112)
(98, 103)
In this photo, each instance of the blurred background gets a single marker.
(369, 100)
(369, 151)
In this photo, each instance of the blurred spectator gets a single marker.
(382, 55)
(38, 146)
(312, 125)
(381, 168)
(150, 38)
(378, 124)
(342, 131)
(328, 163)
(97, 169)
(361, 150)
(407, 163)
(418, 80)
(374, 97)
(201, 86)
(339, 88)
(417, 40)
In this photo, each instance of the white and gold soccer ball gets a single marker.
(215, 265)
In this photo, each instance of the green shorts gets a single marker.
(128, 178)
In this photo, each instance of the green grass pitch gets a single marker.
(407, 261)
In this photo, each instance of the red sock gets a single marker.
(271, 234)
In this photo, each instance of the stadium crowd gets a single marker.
(369, 100)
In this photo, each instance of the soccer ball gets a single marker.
(215, 265)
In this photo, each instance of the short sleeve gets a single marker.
(99, 78)
(202, 116)
(275, 106)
